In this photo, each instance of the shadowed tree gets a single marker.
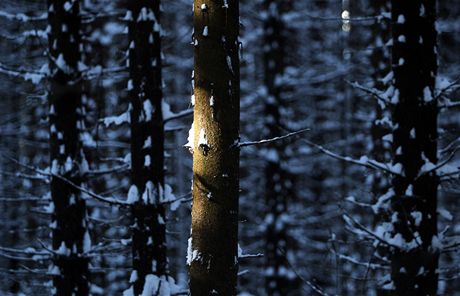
(279, 181)
(414, 261)
(147, 191)
(70, 238)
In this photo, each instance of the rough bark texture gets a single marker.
(147, 143)
(213, 244)
(279, 182)
(69, 225)
(413, 267)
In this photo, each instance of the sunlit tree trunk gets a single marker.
(212, 251)
(70, 237)
(147, 147)
(414, 61)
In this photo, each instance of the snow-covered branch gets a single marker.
(363, 161)
(21, 17)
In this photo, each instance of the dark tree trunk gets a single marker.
(279, 182)
(69, 223)
(380, 61)
(147, 144)
(414, 61)
(213, 244)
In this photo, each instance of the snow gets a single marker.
(166, 110)
(129, 292)
(117, 120)
(397, 169)
(86, 242)
(146, 15)
(148, 109)
(445, 214)
(147, 143)
(147, 161)
(205, 31)
(191, 138)
(55, 168)
(388, 78)
(133, 194)
(167, 195)
(202, 141)
(128, 16)
(63, 250)
(402, 38)
(382, 202)
(417, 216)
(68, 164)
(61, 63)
(427, 95)
(409, 190)
(211, 101)
(133, 277)
(192, 255)
(149, 195)
(67, 6)
(54, 270)
(388, 138)
(401, 19)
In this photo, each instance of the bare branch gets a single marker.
(244, 144)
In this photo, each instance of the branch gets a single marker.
(351, 221)
(244, 144)
(310, 284)
(372, 91)
(109, 200)
(21, 17)
(364, 161)
(174, 116)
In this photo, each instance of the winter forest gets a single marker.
(230, 147)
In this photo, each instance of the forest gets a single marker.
(229, 147)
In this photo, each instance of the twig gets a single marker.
(252, 143)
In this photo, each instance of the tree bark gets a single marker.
(414, 61)
(212, 253)
(70, 237)
(147, 145)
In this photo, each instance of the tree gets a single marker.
(70, 237)
(279, 181)
(414, 261)
(212, 253)
(147, 191)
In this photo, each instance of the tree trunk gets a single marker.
(212, 253)
(70, 236)
(414, 61)
(279, 182)
(147, 146)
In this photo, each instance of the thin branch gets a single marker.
(314, 287)
(252, 143)
(350, 220)
(372, 91)
(365, 162)
(21, 17)
(181, 114)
